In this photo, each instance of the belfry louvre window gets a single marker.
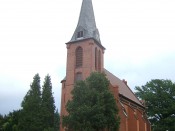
(80, 34)
(79, 57)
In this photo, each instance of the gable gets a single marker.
(124, 90)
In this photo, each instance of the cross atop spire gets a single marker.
(86, 27)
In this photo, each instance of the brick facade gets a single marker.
(131, 113)
(86, 43)
(89, 46)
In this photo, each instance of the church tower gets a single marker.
(84, 53)
(84, 56)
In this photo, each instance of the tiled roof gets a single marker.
(123, 88)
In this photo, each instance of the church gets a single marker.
(85, 54)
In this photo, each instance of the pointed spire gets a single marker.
(86, 27)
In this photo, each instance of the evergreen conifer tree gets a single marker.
(30, 117)
(47, 104)
(57, 121)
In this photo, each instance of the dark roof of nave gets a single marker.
(86, 23)
(124, 90)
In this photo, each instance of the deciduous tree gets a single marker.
(159, 96)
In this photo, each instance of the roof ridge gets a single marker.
(126, 86)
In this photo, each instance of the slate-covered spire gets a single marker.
(86, 27)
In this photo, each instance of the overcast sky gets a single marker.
(139, 37)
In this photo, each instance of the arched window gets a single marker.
(78, 76)
(96, 54)
(79, 57)
(99, 61)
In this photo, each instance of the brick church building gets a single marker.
(85, 54)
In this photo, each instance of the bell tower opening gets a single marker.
(79, 57)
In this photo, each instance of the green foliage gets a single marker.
(9, 122)
(47, 104)
(56, 121)
(49, 129)
(30, 118)
(160, 102)
(92, 107)
(38, 110)
(1, 121)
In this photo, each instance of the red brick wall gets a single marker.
(148, 125)
(129, 122)
(88, 67)
(123, 119)
(132, 121)
(141, 121)
(88, 59)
